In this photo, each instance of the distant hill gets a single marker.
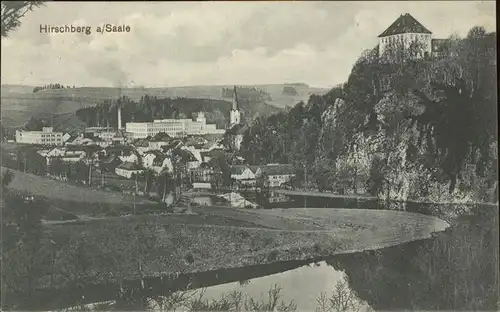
(19, 103)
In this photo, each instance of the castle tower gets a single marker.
(119, 117)
(404, 32)
(235, 115)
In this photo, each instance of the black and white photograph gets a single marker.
(249, 156)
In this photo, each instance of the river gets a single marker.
(455, 270)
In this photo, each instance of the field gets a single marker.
(52, 189)
(19, 104)
(213, 240)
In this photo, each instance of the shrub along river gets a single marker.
(454, 270)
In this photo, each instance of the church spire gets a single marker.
(235, 116)
(235, 99)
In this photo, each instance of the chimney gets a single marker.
(119, 117)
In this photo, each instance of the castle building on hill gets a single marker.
(406, 33)
(235, 114)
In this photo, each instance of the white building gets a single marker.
(127, 170)
(245, 175)
(278, 174)
(45, 137)
(131, 157)
(66, 154)
(172, 127)
(157, 162)
(404, 32)
(235, 114)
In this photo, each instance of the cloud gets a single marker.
(183, 43)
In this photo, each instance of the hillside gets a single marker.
(19, 103)
(418, 129)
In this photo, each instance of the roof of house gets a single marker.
(214, 137)
(254, 168)
(73, 137)
(124, 150)
(278, 169)
(129, 166)
(172, 145)
(194, 140)
(212, 153)
(238, 169)
(156, 153)
(405, 24)
(72, 148)
(161, 137)
(141, 143)
(185, 154)
(158, 161)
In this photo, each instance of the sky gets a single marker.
(213, 43)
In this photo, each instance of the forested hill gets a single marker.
(20, 104)
(152, 107)
(412, 130)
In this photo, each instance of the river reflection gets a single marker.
(303, 285)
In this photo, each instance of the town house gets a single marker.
(141, 146)
(159, 140)
(278, 174)
(157, 162)
(245, 175)
(66, 154)
(123, 152)
(128, 170)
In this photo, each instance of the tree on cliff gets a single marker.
(13, 12)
